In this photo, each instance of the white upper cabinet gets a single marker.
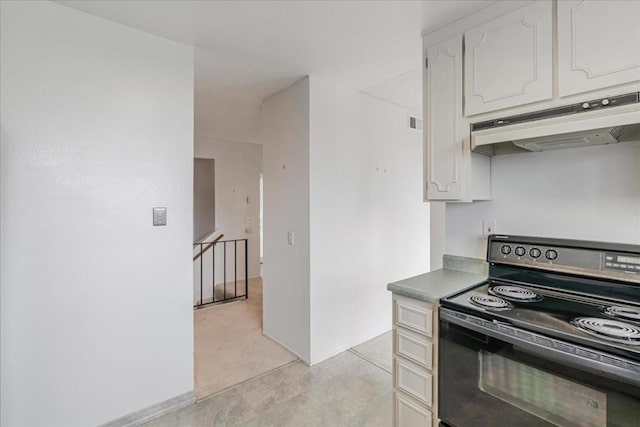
(598, 44)
(443, 136)
(508, 60)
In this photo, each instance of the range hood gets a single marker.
(597, 122)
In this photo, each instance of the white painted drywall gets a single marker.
(346, 165)
(238, 167)
(285, 128)
(369, 225)
(584, 193)
(97, 128)
(437, 233)
(204, 198)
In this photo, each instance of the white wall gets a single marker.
(369, 225)
(238, 167)
(585, 193)
(343, 171)
(97, 128)
(286, 301)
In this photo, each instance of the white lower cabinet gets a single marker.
(414, 381)
(410, 314)
(414, 363)
(410, 414)
(414, 348)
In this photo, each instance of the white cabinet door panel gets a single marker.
(414, 314)
(414, 347)
(409, 414)
(444, 139)
(414, 381)
(598, 44)
(508, 61)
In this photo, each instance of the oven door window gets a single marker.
(488, 382)
(550, 397)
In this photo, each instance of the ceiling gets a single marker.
(248, 50)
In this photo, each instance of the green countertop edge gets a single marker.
(458, 274)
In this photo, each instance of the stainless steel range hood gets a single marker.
(597, 122)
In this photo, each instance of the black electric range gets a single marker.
(551, 338)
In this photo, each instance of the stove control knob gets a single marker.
(605, 102)
(551, 254)
(520, 251)
(535, 253)
(505, 249)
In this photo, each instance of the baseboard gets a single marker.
(154, 411)
(332, 354)
(287, 347)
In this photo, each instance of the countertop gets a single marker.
(430, 287)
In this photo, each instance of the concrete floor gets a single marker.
(252, 381)
(345, 390)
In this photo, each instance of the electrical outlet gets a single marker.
(291, 238)
(488, 227)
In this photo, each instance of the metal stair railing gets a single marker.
(227, 296)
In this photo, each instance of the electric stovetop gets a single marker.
(608, 325)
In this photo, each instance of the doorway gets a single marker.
(229, 346)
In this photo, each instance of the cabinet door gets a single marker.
(413, 380)
(598, 44)
(409, 414)
(508, 61)
(444, 142)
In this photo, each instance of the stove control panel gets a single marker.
(622, 262)
(603, 260)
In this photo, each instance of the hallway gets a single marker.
(229, 345)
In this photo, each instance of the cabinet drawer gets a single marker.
(414, 347)
(409, 414)
(414, 381)
(414, 315)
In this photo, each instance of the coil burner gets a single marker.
(628, 313)
(491, 302)
(610, 330)
(515, 293)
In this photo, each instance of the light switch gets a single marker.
(159, 216)
(290, 238)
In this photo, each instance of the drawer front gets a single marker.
(414, 381)
(414, 316)
(408, 414)
(414, 347)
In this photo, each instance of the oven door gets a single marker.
(492, 374)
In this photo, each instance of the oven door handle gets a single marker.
(561, 351)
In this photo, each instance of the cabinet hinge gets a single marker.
(426, 62)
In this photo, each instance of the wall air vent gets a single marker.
(415, 123)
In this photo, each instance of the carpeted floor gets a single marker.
(229, 345)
